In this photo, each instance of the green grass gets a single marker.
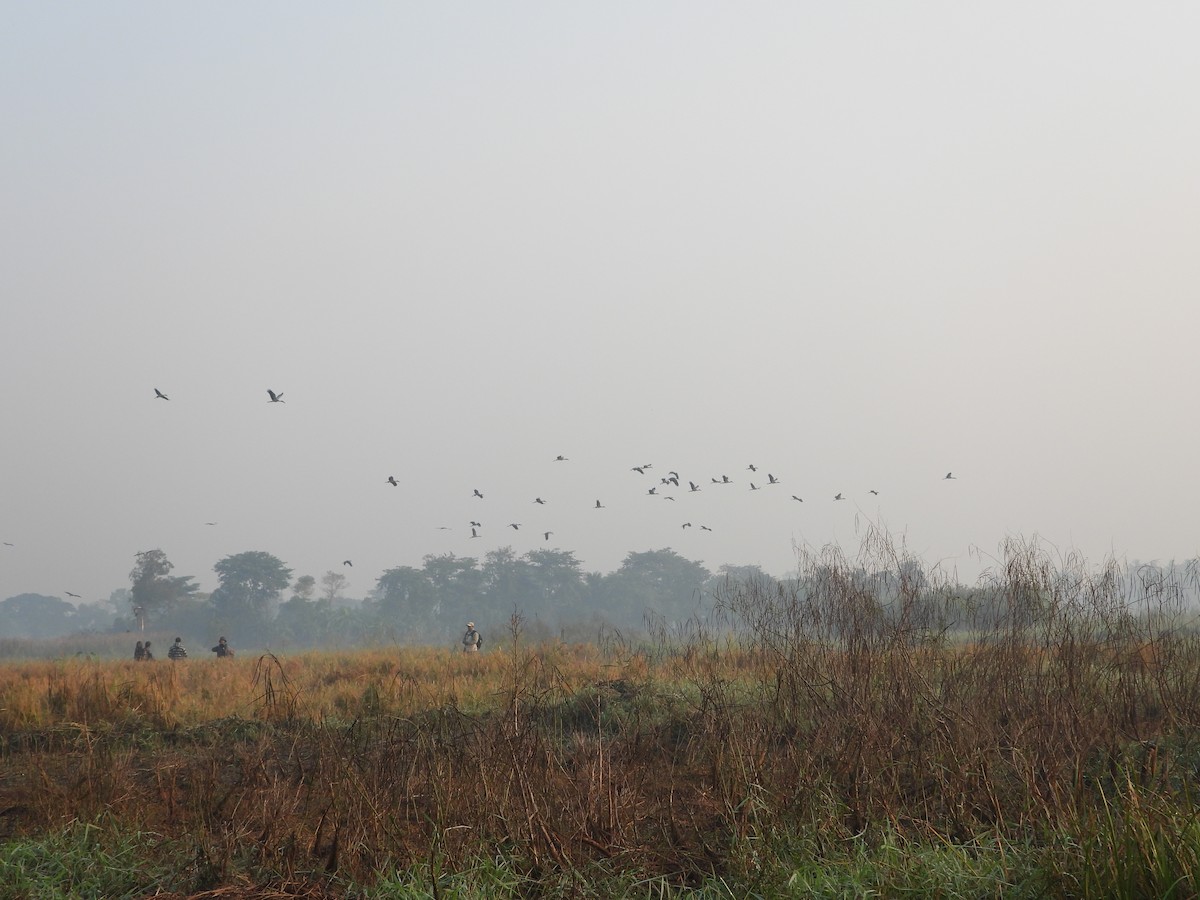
(80, 861)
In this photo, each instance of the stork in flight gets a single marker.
(275, 398)
(160, 395)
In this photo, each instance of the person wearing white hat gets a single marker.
(471, 640)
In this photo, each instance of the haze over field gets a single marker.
(856, 245)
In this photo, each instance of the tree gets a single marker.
(554, 583)
(457, 585)
(655, 583)
(250, 586)
(35, 616)
(304, 587)
(332, 585)
(404, 604)
(155, 590)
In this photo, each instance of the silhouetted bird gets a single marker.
(210, 523)
(794, 497)
(752, 467)
(560, 458)
(444, 528)
(753, 486)
(687, 525)
(160, 395)
(668, 497)
(476, 524)
(598, 506)
(275, 398)
(705, 528)
(474, 533)
(771, 479)
(652, 490)
(7, 544)
(539, 501)
(346, 562)
(392, 481)
(515, 526)
(546, 534)
(838, 496)
(725, 480)
(69, 594)
(876, 493)
(477, 494)
(949, 477)
(639, 469)
(692, 486)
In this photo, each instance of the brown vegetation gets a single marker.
(848, 706)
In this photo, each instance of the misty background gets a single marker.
(857, 246)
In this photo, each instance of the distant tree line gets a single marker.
(258, 603)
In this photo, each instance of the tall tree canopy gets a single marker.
(250, 586)
(155, 590)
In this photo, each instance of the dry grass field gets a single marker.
(829, 742)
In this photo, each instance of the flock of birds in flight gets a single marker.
(671, 479)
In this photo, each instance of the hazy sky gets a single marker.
(856, 244)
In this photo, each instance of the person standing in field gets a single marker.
(147, 656)
(222, 649)
(471, 640)
(139, 652)
(177, 650)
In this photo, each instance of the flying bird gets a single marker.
(693, 487)
(876, 493)
(444, 528)
(794, 497)
(771, 479)
(69, 594)
(8, 544)
(275, 398)
(346, 562)
(598, 506)
(838, 496)
(515, 526)
(668, 497)
(392, 481)
(477, 494)
(160, 395)
(752, 467)
(539, 501)
(653, 490)
(560, 458)
(949, 477)
(210, 523)
(546, 534)
(474, 533)
(687, 525)
(725, 480)
(476, 524)
(705, 528)
(753, 486)
(641, 470)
